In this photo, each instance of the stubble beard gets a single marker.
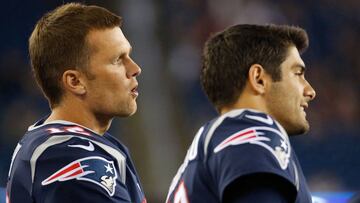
(126, 110)
(295, 126)
(294, 123)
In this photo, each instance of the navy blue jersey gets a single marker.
(64, 162)
(237, 144)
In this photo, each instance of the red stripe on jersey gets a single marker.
(234, 137)
(80, 171)
(62, 172)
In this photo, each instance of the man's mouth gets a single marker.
(134, 92)
(303, 107)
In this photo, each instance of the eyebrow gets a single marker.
(299, 65)
(121, 54)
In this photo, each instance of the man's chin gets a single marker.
(126, 112)
(299, 130)
(132, 113)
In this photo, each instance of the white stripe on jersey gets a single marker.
(230, 114)
(58, 139)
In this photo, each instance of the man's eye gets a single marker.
(117, 61)
(300, 72)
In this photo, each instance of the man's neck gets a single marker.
(246, 102)
(80, 115)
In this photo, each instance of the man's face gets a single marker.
(111, 90)
(289, 97)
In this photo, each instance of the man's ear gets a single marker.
(73, 81)
(258, 79)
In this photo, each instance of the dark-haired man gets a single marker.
(254, 77)
(81, 60)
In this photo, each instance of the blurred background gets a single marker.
(167, 37)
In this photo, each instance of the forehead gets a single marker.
(108, 40)
(292, 58)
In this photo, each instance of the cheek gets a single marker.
(291, 89)
(114, 82)
(107, 89)
(118, 79)
(283, 99)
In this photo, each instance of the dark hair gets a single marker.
(228, 56)
(58, 43)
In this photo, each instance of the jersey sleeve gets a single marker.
(246, 146)
(75, 170)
